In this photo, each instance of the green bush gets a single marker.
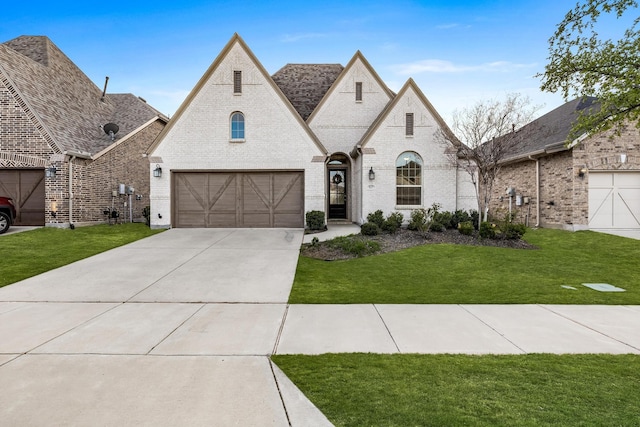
(146, 212)
(487, 230)
(315, 220)
(437, 226)
(418, 220)
(459, 217)
(355, 245)
(369, 229)
(514, 231)
(376, 217)
(393, 222)
(466, 228)
(445, 219)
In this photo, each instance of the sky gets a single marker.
(458, 52)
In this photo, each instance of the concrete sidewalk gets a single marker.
(177, 329)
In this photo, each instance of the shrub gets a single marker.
(355, 245)
(376, 217)
(418, 220)
(436, 226)
(393, 222)
(475, 217)
(146, 212)
(514, 231)
(445, 219)
(315, 220)
(459, 217)
(487, 230)
(466, 228)
(369, 229)
(315, 241)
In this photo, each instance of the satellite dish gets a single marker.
(111, 129)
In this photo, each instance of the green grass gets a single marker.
(33, 252)
(457, 274)
(457, 390)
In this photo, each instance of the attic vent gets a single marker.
(409, 124)
(237, 82)
(358, 91)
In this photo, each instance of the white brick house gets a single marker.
(247, 149)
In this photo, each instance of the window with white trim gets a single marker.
(237, 126)
(409, 179)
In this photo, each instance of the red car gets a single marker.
(7, 213)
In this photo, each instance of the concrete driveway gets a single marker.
(177, 329)
(171, 330)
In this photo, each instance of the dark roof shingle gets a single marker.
(550, 131)
(67, 102)
(305, 85)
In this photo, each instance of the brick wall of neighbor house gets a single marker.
(602, 152)
(522, 177)
(200, 137)
(95, 181)
(23, 145)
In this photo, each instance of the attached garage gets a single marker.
(238, 199)
(26, 188)
(614, 202)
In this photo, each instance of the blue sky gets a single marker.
(459, 52)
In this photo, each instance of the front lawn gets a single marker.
(457, 390)
(458, 274)
(33, 252)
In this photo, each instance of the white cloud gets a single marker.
(441, 66)
(446, 26)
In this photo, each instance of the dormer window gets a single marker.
(358, 91)
(237, 82)
(409, 124)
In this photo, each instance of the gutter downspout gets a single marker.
(72, 156)
(71, 159)
(537, 190)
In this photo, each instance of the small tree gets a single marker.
(486, 136)
(581, 64)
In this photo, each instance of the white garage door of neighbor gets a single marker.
(614, 201)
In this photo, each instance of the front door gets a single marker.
(337, 194)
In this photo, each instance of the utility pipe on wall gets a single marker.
(537, 190)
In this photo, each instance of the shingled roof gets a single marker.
(63, 99)
(549, 132)
(305, 85)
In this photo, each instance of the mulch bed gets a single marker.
(404, 239)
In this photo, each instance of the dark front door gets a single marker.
(337, 194)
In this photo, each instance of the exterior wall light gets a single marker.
(50, 172)
(372, 174)
(157, 172)
(582, 172)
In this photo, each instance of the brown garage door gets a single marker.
(238, 199)
(26, 188)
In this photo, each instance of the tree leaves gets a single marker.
(582, 64)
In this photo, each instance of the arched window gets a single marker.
(237, 125)
(409, 179)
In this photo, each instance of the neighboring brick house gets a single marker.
(53, 121)
(592, 183)
(246, 149)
